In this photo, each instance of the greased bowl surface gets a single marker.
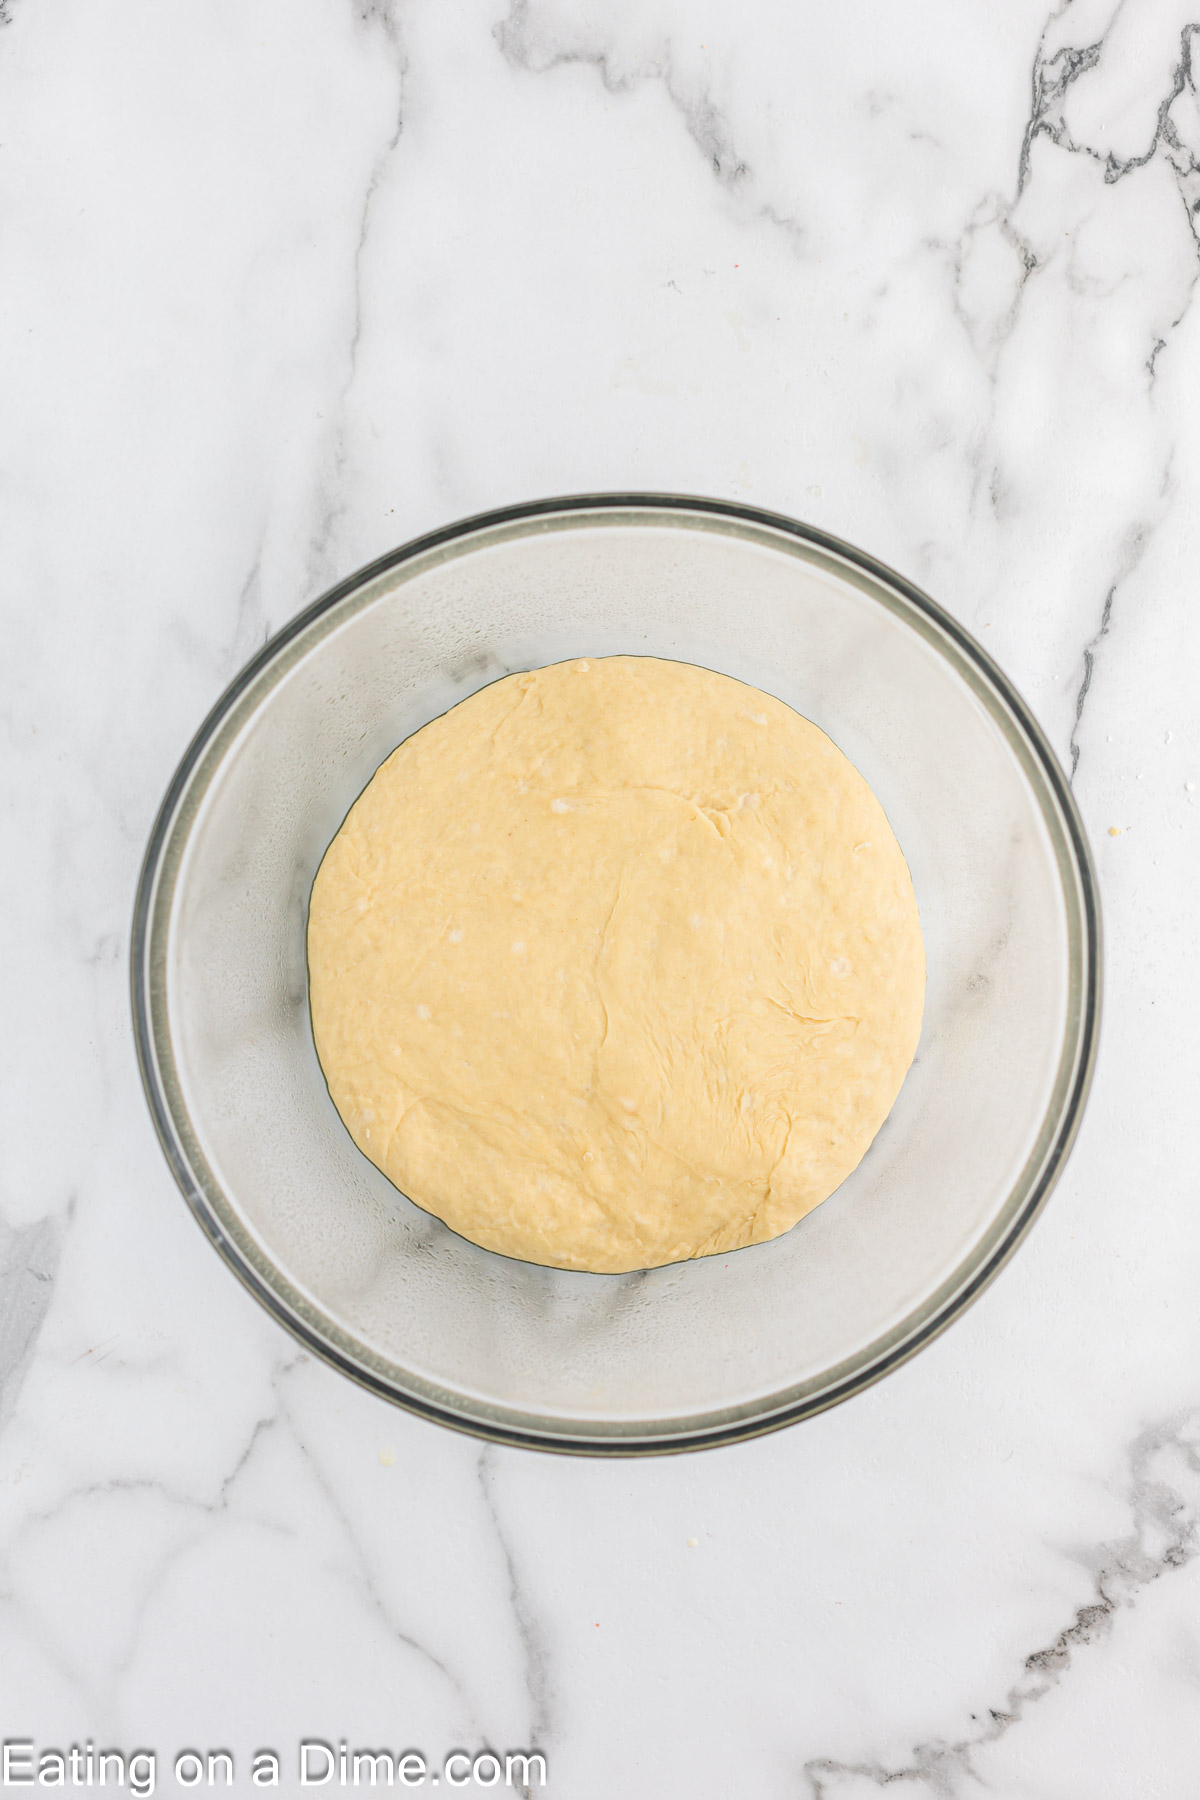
(696, 1353)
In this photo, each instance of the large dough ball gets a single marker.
(617, 962)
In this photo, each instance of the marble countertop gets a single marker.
(286, 284)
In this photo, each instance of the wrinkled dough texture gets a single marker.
(616, 963)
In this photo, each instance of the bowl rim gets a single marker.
(727, 1425)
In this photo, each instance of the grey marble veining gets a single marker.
(1164, 1502)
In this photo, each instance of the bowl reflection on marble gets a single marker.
(695, 1353)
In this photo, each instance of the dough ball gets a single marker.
(616, 963)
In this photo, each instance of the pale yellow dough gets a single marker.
(616, 963)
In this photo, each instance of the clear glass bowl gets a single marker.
(701, 1352)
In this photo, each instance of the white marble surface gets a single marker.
(284, 284)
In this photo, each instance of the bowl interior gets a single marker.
(709, 1347)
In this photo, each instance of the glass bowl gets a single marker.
(697, 1353)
